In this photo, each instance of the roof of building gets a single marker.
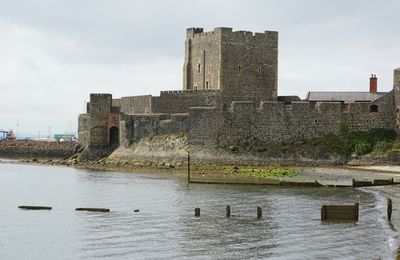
(346, 97)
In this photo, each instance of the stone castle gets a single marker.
(230, 96)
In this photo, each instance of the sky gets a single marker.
(54, 53)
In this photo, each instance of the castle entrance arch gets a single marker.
(114, 137)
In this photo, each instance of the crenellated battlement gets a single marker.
(188, 91)
(301, 108)
(226, 31)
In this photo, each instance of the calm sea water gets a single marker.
(165, 227)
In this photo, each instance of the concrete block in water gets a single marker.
(35, 207)
(93, 209)
(379, 182)
(340, 212)
(362, 183)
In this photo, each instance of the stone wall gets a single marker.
(249, 65)
(136, 105)
(100, 109)
(171, 102)
(135, 127)
(37, 149)
(275, 122)
(84, 129)
(202, 60)
(205, 125)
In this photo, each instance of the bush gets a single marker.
(344, 128)
(362, 148)
(382, 147)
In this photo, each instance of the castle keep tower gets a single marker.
(241, 64)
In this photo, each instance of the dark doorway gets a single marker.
(114, 137)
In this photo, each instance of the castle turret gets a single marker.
(100, 108)
(243, 65)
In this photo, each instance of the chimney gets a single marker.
(373, 84)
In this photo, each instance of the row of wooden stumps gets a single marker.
(228, 212)
(328, 212)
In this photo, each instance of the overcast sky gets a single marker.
(54, 53)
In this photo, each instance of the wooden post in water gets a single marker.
(188, 166)
(259, 212)
(389, 209)
(197, 212)
(228, 211)
(356, 210)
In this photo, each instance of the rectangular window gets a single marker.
(199, 68)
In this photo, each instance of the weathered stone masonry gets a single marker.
(229, 96)
(274, 122)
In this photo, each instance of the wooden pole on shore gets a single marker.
(389, 209)
(188, 166)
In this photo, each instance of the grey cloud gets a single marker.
(56, 52)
